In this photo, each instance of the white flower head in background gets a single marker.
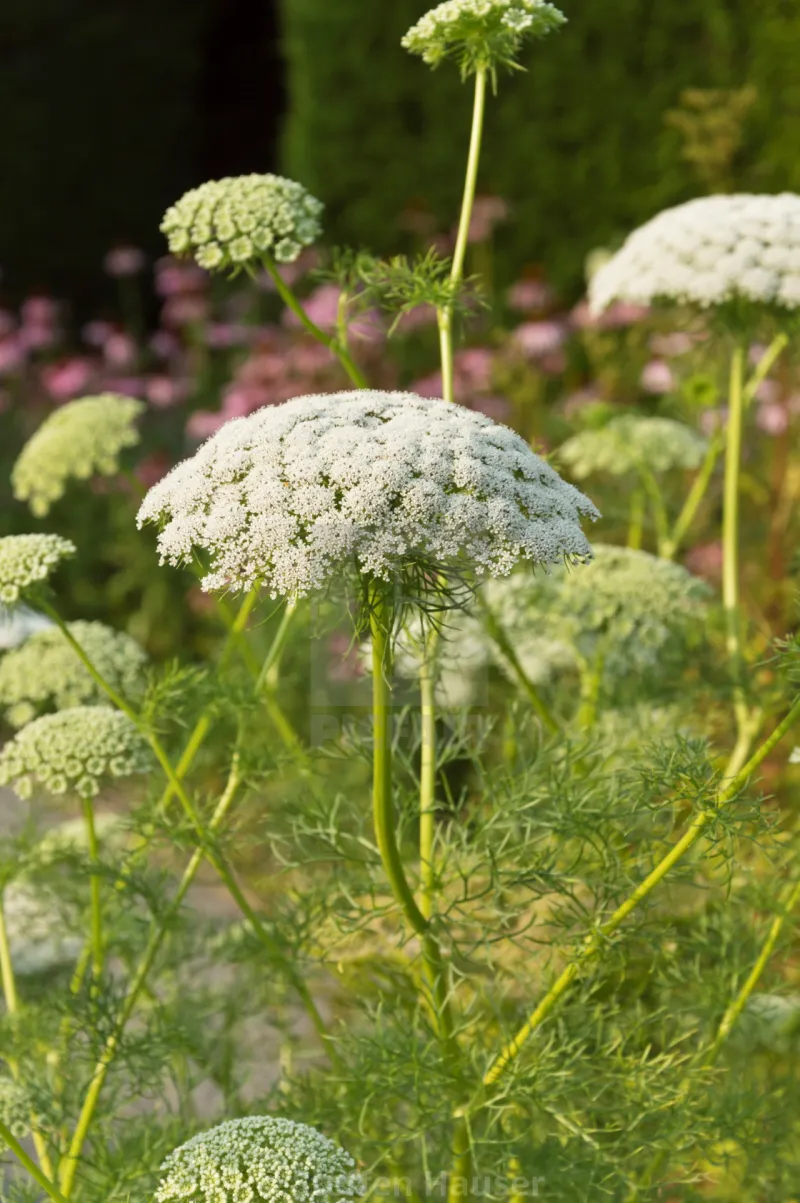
(382, 482)
(237, 220)
(709, 252)
(77, 441)
(480, 34)
(630, 442)
(26, 561)
(73, 751)
(46, 674)
(18, 624)
(259, 1157)
(794, 756)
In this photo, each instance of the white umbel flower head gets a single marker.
(81, 439)
(237, 220)
(46, 674)
(630, 442)
(480, 33)
(385, 481)
(73, 751)
(259, 1158)
(28, 560)
(709, 252)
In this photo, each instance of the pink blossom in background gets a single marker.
(151, 468)
(96, 333)
(128, 386)
(12, 354)
(793, 403)
(262, 367)
(712, 420)
(165, 391)
(124, 261)
(657, 378)
(164, 344)
(37, 337)
(420, 315)
(527, 295)
(174, 277)
(705, 560)
(309, 358)
(756, 353)
(474, 367)
(119, 350)
(487, 212)
(322, 306)
(223, 335)
(346, 663)
(7, 322)
(369, 327)
(772, 418)
(290, 273)
(668, 346)
(203, 424)
(68, 378)
(184, 310)
(618, 315)
(573, 403)
(553, 364)
(497, 408)
(768, 391)
(239, 400)
(39, 311)
(538, 338)
(428, 386)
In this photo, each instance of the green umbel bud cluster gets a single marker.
(630, 443)
(27, 561)
(480, 34)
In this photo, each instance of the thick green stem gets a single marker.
(427, 779)
(730, 536)
(444, 314)
(459, 1182)
(683, 522)
(94, 890)
(30, 1165)
(636, 518)
(660, 516)
(327, 340)
(595, 942)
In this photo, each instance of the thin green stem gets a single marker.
(660, 515)
(30, 1165)
(276, 650)
(444, 314)
(505, 646)
(6, 967)
(327, 340)
(683, 522)
(636, 518)
(94, 890)
(764, 366)
(427, 778)
(595, 942)
(730, 535)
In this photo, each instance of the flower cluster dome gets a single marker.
(708, 252)
(237, 220)
(289, 495)
(259, 1158)
(73, 751)
(630, 442)
(81, 439)
(481, 33)
(27, 561)
(45, 673)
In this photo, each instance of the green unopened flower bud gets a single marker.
(27, 561)
(232, 222)
(481, 34)
(77, 441)
(630, 442)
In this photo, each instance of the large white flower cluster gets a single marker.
(73, 751)
(27, 561)
(259, 1158)
(629, 443)
(625, 605)
(481, 33)
(81, 439)
(708, 252)
(46, 674)
(236, 220)
(289, 495)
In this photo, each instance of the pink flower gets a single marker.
(793, 403)
(184, 309)
(657, 377)
(175, 277)
(7, 322)
(539, 338)
(165, 391)
(68, 378)
(151, 468)
(263, 367)
(203, 424)
(553, 364)
(496, 408)
(474, 367)
(487, 212)
(669, 345)
(756, 353)
(712, 420)
(706, 560)
(221, 335)
(12, 354)
(322, 306)
(124, 261)
(575, 402)
(39, 311)
(36, 337)
(346, 663)
(772, 418)
(119, 350)
(428, 386)
(618, 315)
(96, 333)
(290, 273)
(768, 391)
(128, 386)
(164, 344)
(307, 359)
(240, 400)
(420, 315)
(527, 295)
